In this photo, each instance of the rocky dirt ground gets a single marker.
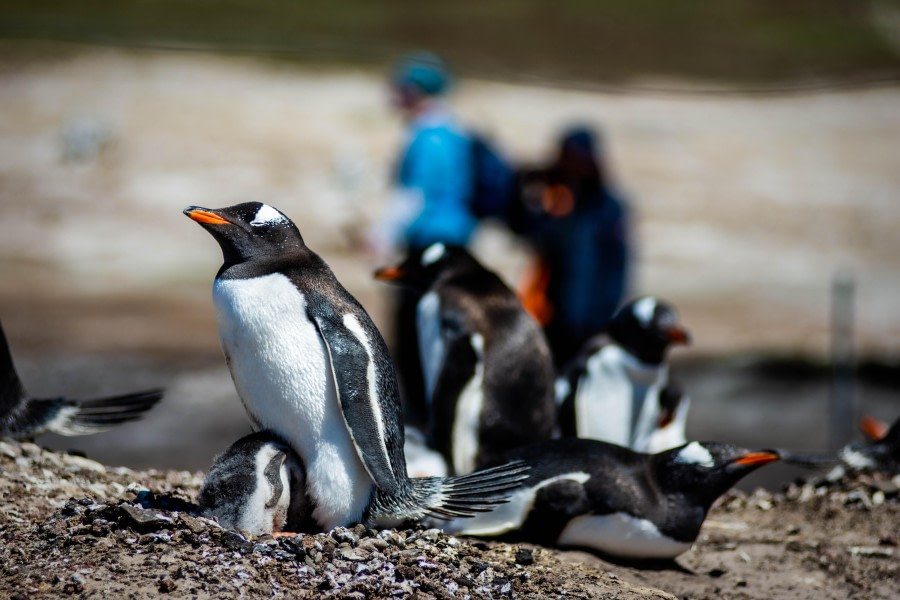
(73, 527)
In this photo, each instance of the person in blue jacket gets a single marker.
(433, 176)
(579, 229)
(432, 190)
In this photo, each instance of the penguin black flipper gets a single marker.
(355, 383)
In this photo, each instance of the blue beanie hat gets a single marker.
(423, 70)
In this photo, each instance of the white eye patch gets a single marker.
(433, 254)
(266, 215)
(643, 310)
(695, 454)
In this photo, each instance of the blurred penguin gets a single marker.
(880, 452)
(23, 417)
(488, 371)
(617, 389)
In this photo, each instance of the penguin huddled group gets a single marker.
(318, 384)
(595, 456)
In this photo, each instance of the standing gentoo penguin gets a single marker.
(256, 485)
(614, 390)
(487, 367)
(309, 365)
(24, 417)
(626, 504)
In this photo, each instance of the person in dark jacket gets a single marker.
(578, 226)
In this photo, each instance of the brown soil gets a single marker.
(72, 527)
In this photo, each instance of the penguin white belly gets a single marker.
(621, 534)
(431, 342)
(603, 400)
(282, 373)
(467, 417)
(673, 434)
(510, 516)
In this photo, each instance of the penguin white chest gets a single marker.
(280, 367)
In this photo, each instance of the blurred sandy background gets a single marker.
(746, 207)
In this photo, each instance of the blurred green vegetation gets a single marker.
(598, 41)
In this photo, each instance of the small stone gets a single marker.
(373, 544)
(166, 585)
(524, 556)
(75, 584)
(236, 542)
(353, 554)
(872, 551)
(142, 520)
(431, 535)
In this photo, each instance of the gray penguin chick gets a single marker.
(257, 485)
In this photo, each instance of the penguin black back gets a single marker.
(479, 341)
(623, 503)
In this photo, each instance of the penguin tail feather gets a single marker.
(478, 492)
(92, 416)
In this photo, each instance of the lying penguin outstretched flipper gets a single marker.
(622, 503)
(257, 485)
(22, 416)
(309, 365)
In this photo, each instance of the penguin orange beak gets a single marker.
(678, 335)
(389, 274)
(757, 458)
(201, 215)
(873, 428)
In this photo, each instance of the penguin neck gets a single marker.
(639, 371)
(240, 267)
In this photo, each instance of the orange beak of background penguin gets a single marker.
(677, 335)
(389, 274)
(757, 458)
(201, 215)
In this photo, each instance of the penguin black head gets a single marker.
(706, 470)
(248, 231)
(647, 327)
(422, 268)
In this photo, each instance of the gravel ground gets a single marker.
(73, 527)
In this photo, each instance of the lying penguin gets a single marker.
(487, 367)
(257, 485)
(24, 417)
(625, 504)
(309, 365)
(881, 452)
(615, 389)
